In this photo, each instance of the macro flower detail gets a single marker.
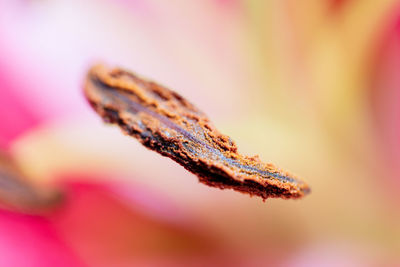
(166, 122)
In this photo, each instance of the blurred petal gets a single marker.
(330, 255)
(32, 241)
(336, 5)
(101, 226)
(15, 116)
(108, 229)
(385, 95)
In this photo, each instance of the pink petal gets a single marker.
(385, 95)
(32, 241)
(15, 116)
(108, 229)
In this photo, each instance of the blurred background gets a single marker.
(312, 86)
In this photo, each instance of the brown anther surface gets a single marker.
(165, 122)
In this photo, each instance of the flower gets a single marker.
(316, 81)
